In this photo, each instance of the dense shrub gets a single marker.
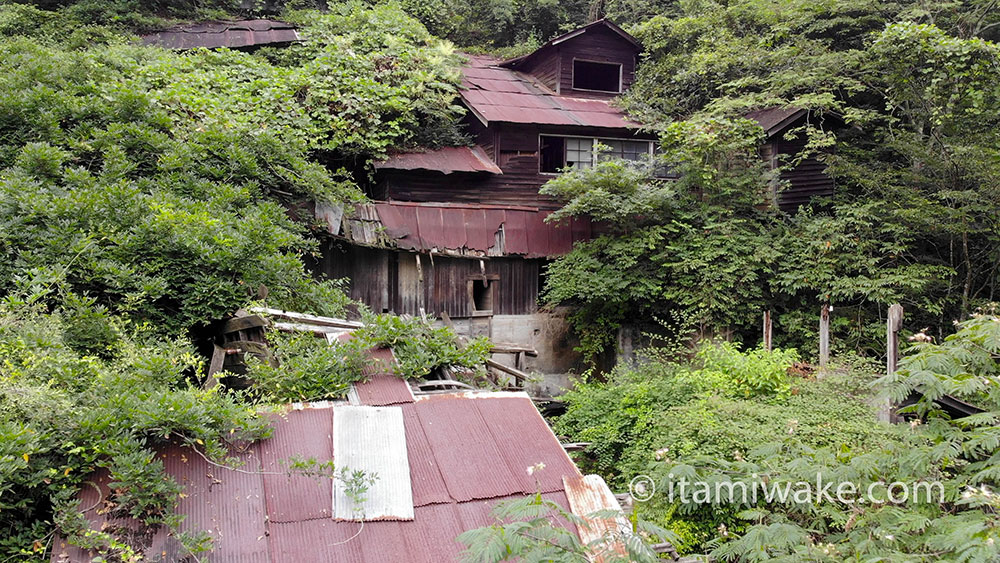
(725, 404)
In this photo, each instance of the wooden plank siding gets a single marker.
(392, 281)
(805, 181)
(515, 151)
(599, 45)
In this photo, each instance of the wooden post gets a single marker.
(892, 325)
(824, 335)
(767, 330)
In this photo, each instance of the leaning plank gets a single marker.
(307, 319)
(519, 376)
(513, 349)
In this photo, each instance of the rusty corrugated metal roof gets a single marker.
(496, 94)
(231, 34)
(468, 230)
(445, 160)
(466, 452)
(588, 495)
(381, 388)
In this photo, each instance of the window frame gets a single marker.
(621, 73)
(594, 141)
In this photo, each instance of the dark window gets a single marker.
(482, 296)
(604, 77)
(553, 154)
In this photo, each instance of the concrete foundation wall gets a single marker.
(547, 332)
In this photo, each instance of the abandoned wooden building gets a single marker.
(460, 232)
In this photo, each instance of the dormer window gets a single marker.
(596, 76)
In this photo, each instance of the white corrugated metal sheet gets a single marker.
(373, 440)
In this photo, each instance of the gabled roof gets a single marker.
(599, 24)
(496, 94)
(445, 160)
(774, 120)
(231, 34)
(463, 453)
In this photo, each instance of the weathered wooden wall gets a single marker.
(600, 45)
(393, 281)
(515, 151)
(805, 181)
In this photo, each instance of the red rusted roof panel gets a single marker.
(425, 475)
(228, 504)
(471, 463)
(525, 440)
(477, 229)
(465, 443)
(382, 388)
(233, 34)
(305, 434)
(446, 160)
(472, 230)
(499, 94)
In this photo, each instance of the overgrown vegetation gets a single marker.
(145, 194)
(915, 162)
(71, 403)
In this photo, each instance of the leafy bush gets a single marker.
(65, 413)
(308, 369)
(421, 348)
(723, 404)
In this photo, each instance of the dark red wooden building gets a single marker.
(461, 231)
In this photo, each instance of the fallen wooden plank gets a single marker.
(307, 319)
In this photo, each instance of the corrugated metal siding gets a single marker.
(452, 445)
(445, 160)
(373, 440)
(306, 434)
(590, 494)
(425, 474)
(227, 504)
(471, 463)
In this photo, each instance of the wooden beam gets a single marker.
(893, 323)
(307, 319)
(519, 376)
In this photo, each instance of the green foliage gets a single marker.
(533, 529)
(834, 438)
(419, 347)
(915, 162)
(725, 405)
(307, 368)
(65, 413)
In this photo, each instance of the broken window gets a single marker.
(558, 153)
(602, 77)
(482, 295)
(629, 150)
(553, 154)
